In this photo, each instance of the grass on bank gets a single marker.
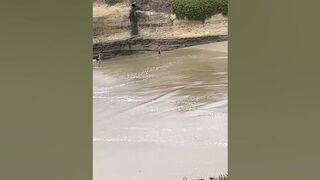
(115, 11)
(221, 177)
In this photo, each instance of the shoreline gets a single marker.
(142, 45)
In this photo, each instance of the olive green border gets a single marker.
(45, 90)
(274, 89)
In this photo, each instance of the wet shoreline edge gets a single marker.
(141, 45)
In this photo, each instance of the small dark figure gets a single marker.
(133, 17)
(159, 49)
(99, 59)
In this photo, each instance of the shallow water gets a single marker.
(161, 117)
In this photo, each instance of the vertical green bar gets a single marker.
(274, 89)
(45, 90)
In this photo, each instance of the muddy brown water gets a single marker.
(161, 117)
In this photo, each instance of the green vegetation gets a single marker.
(128, 47)
(223, 7)
(199, 9)
(223, 177)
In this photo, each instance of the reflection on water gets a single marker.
(161, 117)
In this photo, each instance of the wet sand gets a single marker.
(161, 117)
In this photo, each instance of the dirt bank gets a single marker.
(111, 22)
(144, 45)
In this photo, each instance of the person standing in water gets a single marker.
(99, 59)
(159, 49)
